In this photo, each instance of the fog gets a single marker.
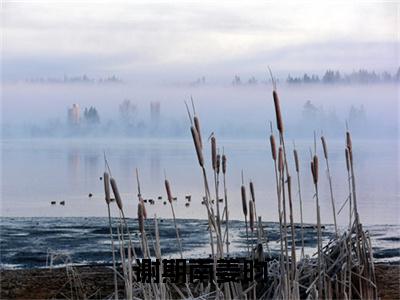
(40, 109)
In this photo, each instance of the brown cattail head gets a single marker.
(168, 189)
(116, 193)
(214, 153)
(315, 165)
(224, 163)
(197, 126)
(251, 214)
(280, 160)
(106, 179)
(279, 121)
(218, 163)
(325, 147)
(347, 159)
(140, 217)
(273, 146)
(244, 204)
(312, 170)
(197, 145)
(350, 157)
(253, 196)
(348, 141)
(296, 160)
(144, 207)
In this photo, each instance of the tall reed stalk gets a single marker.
(325, 148)
(170, 198)
(297, 166)
(106, 180)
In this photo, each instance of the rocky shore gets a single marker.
(96, 282)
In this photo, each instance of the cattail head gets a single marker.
(279, 121)
(197, 145)
(168, 189)
(315, 166)
(325, 147)
(140, 217)
(197, 126)
(214, 153)
(106, 179)
(350, 156)
(253, 196)
(116, 193)
(251, 214)
(273, 146)
(348, 141)
(218, 163)
(144, 207)
(280, 160)
(296, 160)
(224, 163)
(347, 159)
(312, 169)
(244, 204)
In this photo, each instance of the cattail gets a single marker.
(214, 153)
(244, 204)
(296, 160)
(140, 217)
(347, 159)
(273, 146)
(116, 193)
(144, 207)
(197, 126)
(348, 141)
(197, 145)
(223, 163)
(251, 217)
(312, 170)
(350, 156)
(252, 192)
(280, 160)
(106, 179)
(324, 147)
(289, 184)
(218, 163)
(315, 165)
(168, 189)
(279, 122)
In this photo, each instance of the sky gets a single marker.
(181, 40)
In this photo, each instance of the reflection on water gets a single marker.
(36, 172)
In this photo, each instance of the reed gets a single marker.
(224, 162)
(314, 171)
(251, 223)
(106, 180)
(244, 208)
(297, 167)
(214, 161)
(169, 196)
(325, 148)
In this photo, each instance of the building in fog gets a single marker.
(74, 117)
(155, 112)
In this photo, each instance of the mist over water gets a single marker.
(40, 110)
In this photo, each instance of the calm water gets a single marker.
(36, 172)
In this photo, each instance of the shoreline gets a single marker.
(97, 281)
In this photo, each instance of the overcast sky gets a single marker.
(178, 40)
